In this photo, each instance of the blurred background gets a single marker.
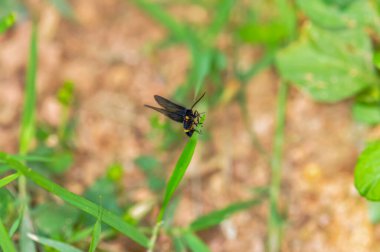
(291, 99)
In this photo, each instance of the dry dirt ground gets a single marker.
(107, 53)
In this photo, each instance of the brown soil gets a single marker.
(108, 54)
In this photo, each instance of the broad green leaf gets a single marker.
(7, 22)
(5, 242)
(53, 219)
(95, 235)
(28, 113)
(178, 173)
(8, 179)
(335, 15)
(58, 245)
(216, 217)
(194, 243)
(367, 172)
(330, 66)
(368, 113)
(83, 204)
(153, 171)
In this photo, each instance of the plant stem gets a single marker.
(275, 219)
(153, 239)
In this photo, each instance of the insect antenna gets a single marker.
(198, 100)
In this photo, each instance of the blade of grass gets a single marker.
(26, 137)
(178, 173)
(8, 179)
(58, 245)
(194, 243)
(201, 65)
(15, 225)
(153, 238)
(176, 29)
(5, 242)
(220, 18)
(96, 235)
(77, 201)
(216, 217)
(26, 244)
(28, 113)
(7, 22)
(275, 220)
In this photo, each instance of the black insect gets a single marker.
(188, 117)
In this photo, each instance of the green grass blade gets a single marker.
(58, 245)
(275, 220)
(77, 201)
(26, 244)
(178, 173)
(176, 29)
(15, 225)
(5, 241)
(216, 217)
(201, 64)
(96, 235)
(7, 22)
(8, 179)
(194, 243)
(220, 18)
(28, 114)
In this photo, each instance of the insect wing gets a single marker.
(172, 115)
(168, 105)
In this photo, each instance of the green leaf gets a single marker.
(54, 219)
(8, 179)
(194, 243)
(96, 235)
(368, 113)
(5, 242)
(330, 66)
(178, 173)
(352, 14)
(7, 22)
(216, 217)
(58, 245)
(367, 172)
(28, 114)
(153, 171)
(83, 204)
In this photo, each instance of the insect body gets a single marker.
(188, 117)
